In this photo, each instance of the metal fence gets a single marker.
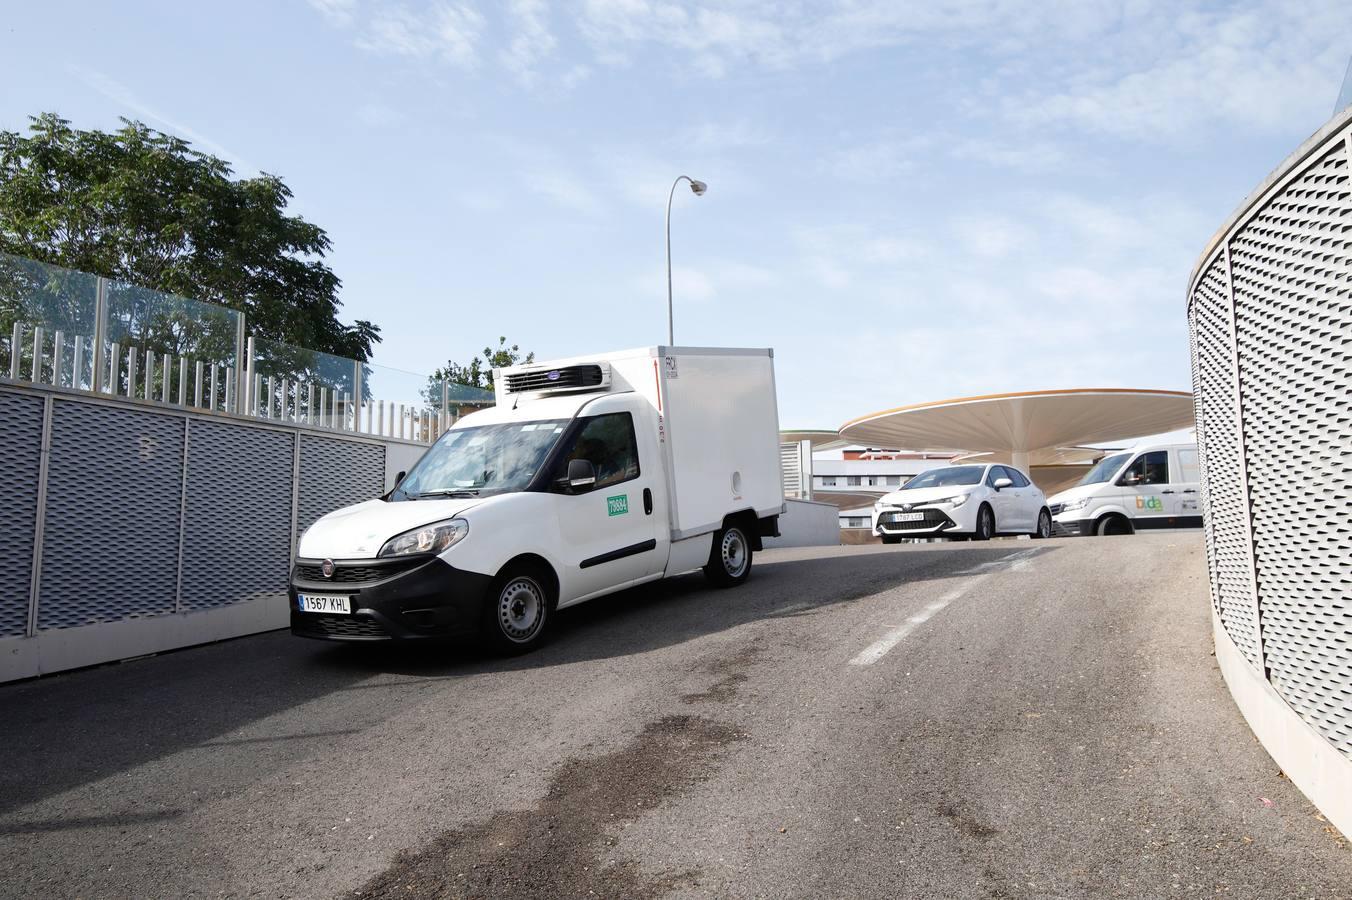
(1270, 320)
(66, 328)
(132, 527)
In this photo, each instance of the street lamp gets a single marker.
(698, 187)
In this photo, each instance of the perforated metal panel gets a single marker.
(334, 474)
(21, 423)
(1218, 434)
(1291, 266)
(110, 541)
(1293, 299)
(237, 522)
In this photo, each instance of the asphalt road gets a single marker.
(1014, 719)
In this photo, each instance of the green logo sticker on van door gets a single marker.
(617, 506)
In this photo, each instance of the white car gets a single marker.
(975, 502)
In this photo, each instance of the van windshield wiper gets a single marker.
(451, 492)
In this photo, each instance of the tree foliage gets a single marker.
(144, 208)
(479, 371)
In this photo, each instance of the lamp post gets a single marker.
(698, 187)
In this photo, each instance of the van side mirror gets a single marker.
(581, 475)
(399, 477)
(1002, 483)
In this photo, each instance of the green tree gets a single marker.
(479, 371)
(146, 209)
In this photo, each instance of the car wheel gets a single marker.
(518, 611)
(729, 558)
(891, 539)
(1044, 524)
(985, 524)
(1113, 525)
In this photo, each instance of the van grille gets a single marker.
(358, 573)
(565, 378)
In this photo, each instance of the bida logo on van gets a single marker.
(1154, 504)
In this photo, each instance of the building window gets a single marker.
(854, 521)
(894, 480)
(852, 480)
(828, 481)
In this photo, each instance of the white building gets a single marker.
(843, 473)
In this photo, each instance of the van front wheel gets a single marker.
(729, 557)
(517, 611)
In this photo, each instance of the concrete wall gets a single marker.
(806, 523)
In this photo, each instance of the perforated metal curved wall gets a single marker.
(1270, 319)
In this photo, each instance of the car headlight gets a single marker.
(1072, 505)
(432, 538)
(954, 501)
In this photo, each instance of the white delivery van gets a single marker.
(1155, 486)
(590, 475)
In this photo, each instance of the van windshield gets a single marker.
(1106, 468)
(476, 462)
(946, 476)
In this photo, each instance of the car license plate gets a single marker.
(908, 517)
(324, 603)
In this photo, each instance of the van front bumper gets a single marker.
(1071, 527)
(398, 598)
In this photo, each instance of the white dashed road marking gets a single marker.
(977, 574)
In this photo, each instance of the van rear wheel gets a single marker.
(518, 610)
(729, 558)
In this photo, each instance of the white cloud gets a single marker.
(562, 187)
(531, 40)
(339, 13)
(121, 94)
(989, 235)
(378, 115)
(838, 256)
(719, 278)
(1251, 67)
(444, 31)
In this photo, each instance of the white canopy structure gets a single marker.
(1022, 426)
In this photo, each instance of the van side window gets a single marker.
(1148, 468)
(608, 443)
(1188, 469)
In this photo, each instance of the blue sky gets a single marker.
(908, 201)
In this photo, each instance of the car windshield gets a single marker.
(946, 476)
(473, 462)
(1105, 469)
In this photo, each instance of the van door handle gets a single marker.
(1166, 492)
(647, 501)
(1190, 491)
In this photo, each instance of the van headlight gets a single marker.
(955, 501)
(1072, 505)
(432, 538)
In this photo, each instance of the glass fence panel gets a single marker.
(47, 317)
(402, 404)
(162, 339)
(294, 384)
(166, 348)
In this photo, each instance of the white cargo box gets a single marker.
(715, 412)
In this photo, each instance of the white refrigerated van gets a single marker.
(590, 475)
(1156, 486)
